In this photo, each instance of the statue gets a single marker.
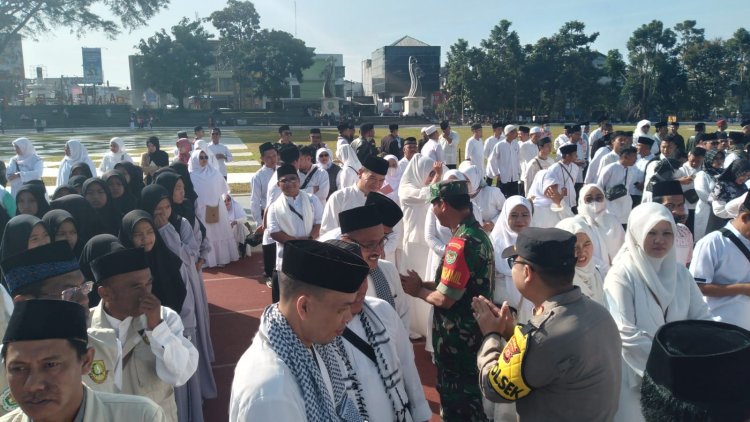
(415, 74)
(328, 74)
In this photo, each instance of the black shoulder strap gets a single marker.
(360, 344)
(737, 242)
(308, 178)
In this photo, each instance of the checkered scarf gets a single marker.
(319, 405)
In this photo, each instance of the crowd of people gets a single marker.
(588, 284)
(549, 286)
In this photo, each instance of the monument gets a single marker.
(329, 104)
(414, 102)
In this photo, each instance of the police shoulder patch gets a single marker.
(98, 372)
(506, 377)
(7, 401)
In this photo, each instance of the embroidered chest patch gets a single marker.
(98, 372)
(7, 401)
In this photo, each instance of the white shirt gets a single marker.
(527, 152)
(432, 150)
(504, 162)
(176, 357)
(450, 150)
(607, 159)
(719, 261)
(475, 153)
(377, 402)
(264, 388)
(594, 164)
(400, 298)
(610, 176)
(683, 241)
(318, 180)
(533, 167)
(595, 136)
(259, 192)
(565, 177)
(561, 140)
(341, 200)
(221, 149)
(299, 226)
(489, 145)
(490, 200)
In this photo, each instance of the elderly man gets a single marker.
(432, 147)
(449, 141)
(45, 352)
(504, 163)
(156, 355)
(294, 369)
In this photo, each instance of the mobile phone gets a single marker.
(700, 280)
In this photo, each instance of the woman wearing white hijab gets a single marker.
(608, 234)
(589, 276)
(324, 162)
(413, 193)
(646, 288)
(116, 154)
(549, 206)
(25, 166)
(514, 218)
(642, 128)
(209, 185)
(392, 178)
(75, 152)
(488, 199)
(350, 167)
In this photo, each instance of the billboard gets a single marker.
(92, 66)
(11, 60)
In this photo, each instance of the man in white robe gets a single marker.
(643, 146)
(312, 179)
(721, 267)
(615, 174)
(595, 164)
(489, 146)
(449, 141)
(563, 174)
(432, 148)
(542, 161)
(474, 148)
(371, 178)
(293, 370)
(258, 197)
(220, 151)
(410, 148)
(598, 132)
(563, 138)
(620, 140)
(504, 164)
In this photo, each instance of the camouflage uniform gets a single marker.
(465, 272)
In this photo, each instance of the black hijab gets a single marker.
(136, 177)
(42, 206)
(83, 167)
(17, 233)
(63, 190)
(109, 215)
(735, 170)
(712, 155)
(96, 247)
(82, 211)
(54, 219)
(76, 182)
(126, 202)
(168, 285)
(182, 170)
(158, 157)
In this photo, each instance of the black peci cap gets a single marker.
(324, 265)
(43, 319)
(359, 218)
(388, 209)
(546, 247)
(376, 165)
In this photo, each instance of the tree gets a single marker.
(706, 67)
(177, 64)
(614, 80)
(462, 78)
(32, 18)
(738, 66)
(502, 69)
(688, 35)
(263, 59)
(653, 76)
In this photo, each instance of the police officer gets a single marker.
(465, 272)
(564, 364)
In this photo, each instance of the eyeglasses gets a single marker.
(372, 246)
(590, 199)
(513, 260)
(323, 155)
(203, 157)
(289, 181)
(70, 294)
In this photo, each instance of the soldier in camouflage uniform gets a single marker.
(465, 272)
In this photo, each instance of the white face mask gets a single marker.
(595, 207)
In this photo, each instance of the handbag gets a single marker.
(212, 214)
(691, 196)
(616, 192)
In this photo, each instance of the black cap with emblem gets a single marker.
(546, 247)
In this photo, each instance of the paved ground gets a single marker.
(237, 296)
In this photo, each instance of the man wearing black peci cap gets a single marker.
(316, 140)
(699, 128)
(156, 357)
(365, 146)
(294, 215)
(392, 143)
(46, 352)
(475, 148)
(564, 363)
(313, 179)
(467, 270)
(199, 133)
(736, 149)
(285, 137)
(370, 179)
(392, 215)
(259, 189)
(293, 370)
(346, 134)
(449, 142)
(363, 226)
(489, 145)
(697, 371)
(594, 136)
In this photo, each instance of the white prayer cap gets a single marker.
(510, 128)
(429, 130)
(536, 129)
(422, 130)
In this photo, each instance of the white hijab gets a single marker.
(348, 157)
(393, 176)
(538, 187)
(502, 235)
(28, 156)
(208, 183)
(120, 146)
(78, 154)
(415, 174)
(473, 175)
(659, 274)
(320, 166)
(588, 277)
(601, 222)
(639, 127)
(202, 145)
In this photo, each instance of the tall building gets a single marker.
(389, 70)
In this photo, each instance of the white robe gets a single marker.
(610, 176)
(565, 177)
(341, 200)
(475, 153)
(704, 185)
(720, 262)
(594, 165)
(400, 298)
(377, 402)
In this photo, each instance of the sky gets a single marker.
(356, 28)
